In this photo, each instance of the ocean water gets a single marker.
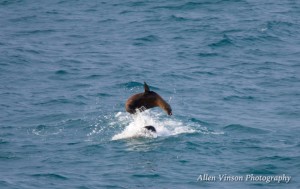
(230, 69)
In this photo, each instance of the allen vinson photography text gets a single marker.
(283, 178)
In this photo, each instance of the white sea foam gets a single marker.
(165, 126)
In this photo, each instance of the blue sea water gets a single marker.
(229, 68)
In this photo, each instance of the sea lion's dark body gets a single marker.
(150, 128)
(147, 100)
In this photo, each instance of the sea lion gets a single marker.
(146, 100)
(150, 128)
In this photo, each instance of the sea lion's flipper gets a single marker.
(146, 87)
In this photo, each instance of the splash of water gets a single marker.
(165, 126)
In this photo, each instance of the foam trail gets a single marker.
(165, 126)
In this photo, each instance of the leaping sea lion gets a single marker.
(146, 100)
